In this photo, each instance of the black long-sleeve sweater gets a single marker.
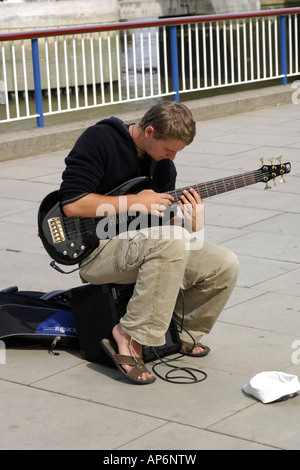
(104, 157)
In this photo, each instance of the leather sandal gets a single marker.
(188, 349)
(138, 365)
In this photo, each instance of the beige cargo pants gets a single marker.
(160, 261)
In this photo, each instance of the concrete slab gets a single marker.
(285, 283)
(270, 311)
(271, 199)
(252, 136)
(30, 190)
(261, 423)
(190, 174)
(246, 161)
(254, 270)
(244, 351)
(41, 420)
(25, 217)
(217, 400)
(220, 234)
(32, 362)
(31, 271)
(235, 216)
(273, 246)
(242, 294)
(164, 437)
(15, 237)
(20, 170)
(11, 206)
(214, 147)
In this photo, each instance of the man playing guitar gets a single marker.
(160, 259)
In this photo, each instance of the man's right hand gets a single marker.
(150, 202)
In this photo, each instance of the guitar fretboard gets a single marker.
(219, 186)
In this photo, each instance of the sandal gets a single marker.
(188, 348)
(111, 348)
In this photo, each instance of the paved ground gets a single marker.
(64, 402)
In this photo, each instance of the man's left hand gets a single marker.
(192, 208)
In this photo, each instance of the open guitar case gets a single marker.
(77, 318)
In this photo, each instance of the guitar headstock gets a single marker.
(270, 172)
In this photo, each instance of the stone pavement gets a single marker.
(64, 402)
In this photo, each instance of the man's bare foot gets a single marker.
(195, 350)
(129, 347)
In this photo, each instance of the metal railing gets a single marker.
(43, 73)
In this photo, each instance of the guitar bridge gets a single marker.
(56, 230)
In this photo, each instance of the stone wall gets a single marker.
(33, 15)
(132, 9)
(50, 14)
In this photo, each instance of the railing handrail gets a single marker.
(144, 24)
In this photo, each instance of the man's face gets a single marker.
(160, 149)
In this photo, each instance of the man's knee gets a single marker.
(230, 266)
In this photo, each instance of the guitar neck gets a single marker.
(219, 186)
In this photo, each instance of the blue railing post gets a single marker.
(37, 82)
(174, 62)
(283, 55)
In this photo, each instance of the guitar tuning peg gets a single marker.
(282, 180)
(262, 160)
(271, 160)
(279, 159)
(268, 186)
(274, 181)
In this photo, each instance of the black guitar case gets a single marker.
(37, 317)
(77, 318)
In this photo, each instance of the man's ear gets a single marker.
(149, 131)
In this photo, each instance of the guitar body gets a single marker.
(68, 240)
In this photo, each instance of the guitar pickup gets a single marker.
(56, 230)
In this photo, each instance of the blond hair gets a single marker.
(171, 121)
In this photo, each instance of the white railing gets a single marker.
(43, 73)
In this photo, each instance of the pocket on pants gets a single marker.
(132, 250)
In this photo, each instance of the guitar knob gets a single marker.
(75, 255)
(72, 245)
(82, 247)
(65, 252)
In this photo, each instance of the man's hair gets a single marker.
(171, 121)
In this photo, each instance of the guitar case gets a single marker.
(77, 318)
(36, 317)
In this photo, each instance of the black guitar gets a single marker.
(68, 240)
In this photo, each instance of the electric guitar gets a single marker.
(68, 240)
